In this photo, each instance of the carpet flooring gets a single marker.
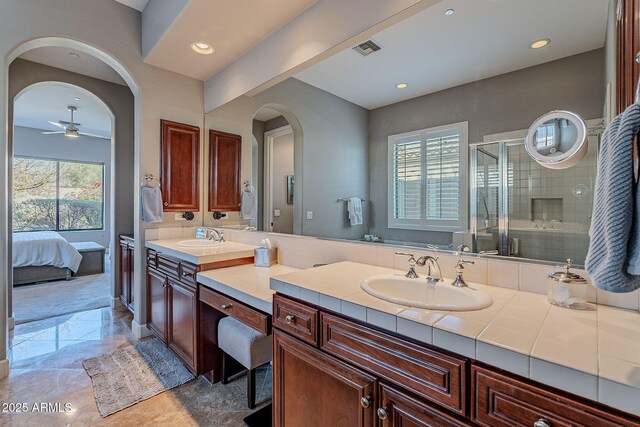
(45, 300)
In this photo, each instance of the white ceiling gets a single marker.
(136, 4)
(37, 106)
(59, 57)
(231, 27)
(265, 114)
(483, 38)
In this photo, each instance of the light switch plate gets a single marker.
(276, 212)
(309, 214)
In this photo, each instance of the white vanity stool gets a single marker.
(248, 347)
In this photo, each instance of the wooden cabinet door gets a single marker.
(224, 171)
(181, 336)
(399, 409)
(180, 167)
(313, 389)
(125, 273)
(157, 304)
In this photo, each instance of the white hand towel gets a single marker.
(248, 205)
(354, 206)
(151, 205)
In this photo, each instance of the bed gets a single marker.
(41, 256)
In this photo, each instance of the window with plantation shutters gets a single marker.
(427, 190)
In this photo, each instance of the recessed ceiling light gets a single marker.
(402, 85)
(448, 12)
(202, 47)
(538, 44)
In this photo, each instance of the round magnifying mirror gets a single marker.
(557, 140)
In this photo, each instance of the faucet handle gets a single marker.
(461, 262)
(412, 258)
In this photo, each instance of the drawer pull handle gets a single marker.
(226, 307)
(185, 274)
(290, 319)
(365, 401)
(383, 413)
(541, 423)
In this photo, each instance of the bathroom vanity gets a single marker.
(342, 358)
(172, 291)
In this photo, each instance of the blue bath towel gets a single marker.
(151, 205)
(611, 242)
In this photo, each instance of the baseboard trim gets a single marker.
(116, 304)
(4, 368)
(11, 323)
(139, 331)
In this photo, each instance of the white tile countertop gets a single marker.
(592, 353)
(246, 283)
(230, 250)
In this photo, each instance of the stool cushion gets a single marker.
(243, 343)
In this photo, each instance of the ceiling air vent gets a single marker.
(367, 47)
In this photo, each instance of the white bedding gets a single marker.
(36, 248)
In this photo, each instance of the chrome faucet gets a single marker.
(463, 248)
(459, 281)
(215, 235)
(422, 261)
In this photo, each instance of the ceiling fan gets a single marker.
(70, 128)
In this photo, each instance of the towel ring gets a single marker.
(148, 181)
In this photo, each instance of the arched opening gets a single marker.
(129, 184)
(61, 176)
(277, 160)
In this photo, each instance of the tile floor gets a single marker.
(46, 367)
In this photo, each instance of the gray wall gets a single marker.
(282, 166)
(32, 143)
(119, 99)
(499, 104)
(331, 143)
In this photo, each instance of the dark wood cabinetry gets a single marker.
(180, 179)
(172, 305)
(224, 171)
(126, 271)
(182, 321)
(311, 388)
(330, 370)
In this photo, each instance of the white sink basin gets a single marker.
(419, 293)
(199, 243)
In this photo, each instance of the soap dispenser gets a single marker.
(559, 292)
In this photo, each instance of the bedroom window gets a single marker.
(57, 195)
(427, 190)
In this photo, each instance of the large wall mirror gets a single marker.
(424, 124)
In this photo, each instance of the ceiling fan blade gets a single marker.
(52, 133)
(94, 135)
(60, 125)
(66, 123)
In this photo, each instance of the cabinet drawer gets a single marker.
(430, 374)
(500, 400)
(188, 273)
(152, 258)
(297, 319)
(251, 317)
(169, 266)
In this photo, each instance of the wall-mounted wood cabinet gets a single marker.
(224, 171)
(180, 150)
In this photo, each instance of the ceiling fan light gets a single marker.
(72, 133)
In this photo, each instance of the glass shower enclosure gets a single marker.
(521, 209)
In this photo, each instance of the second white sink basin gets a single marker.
(199, 243)
(419, 293)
